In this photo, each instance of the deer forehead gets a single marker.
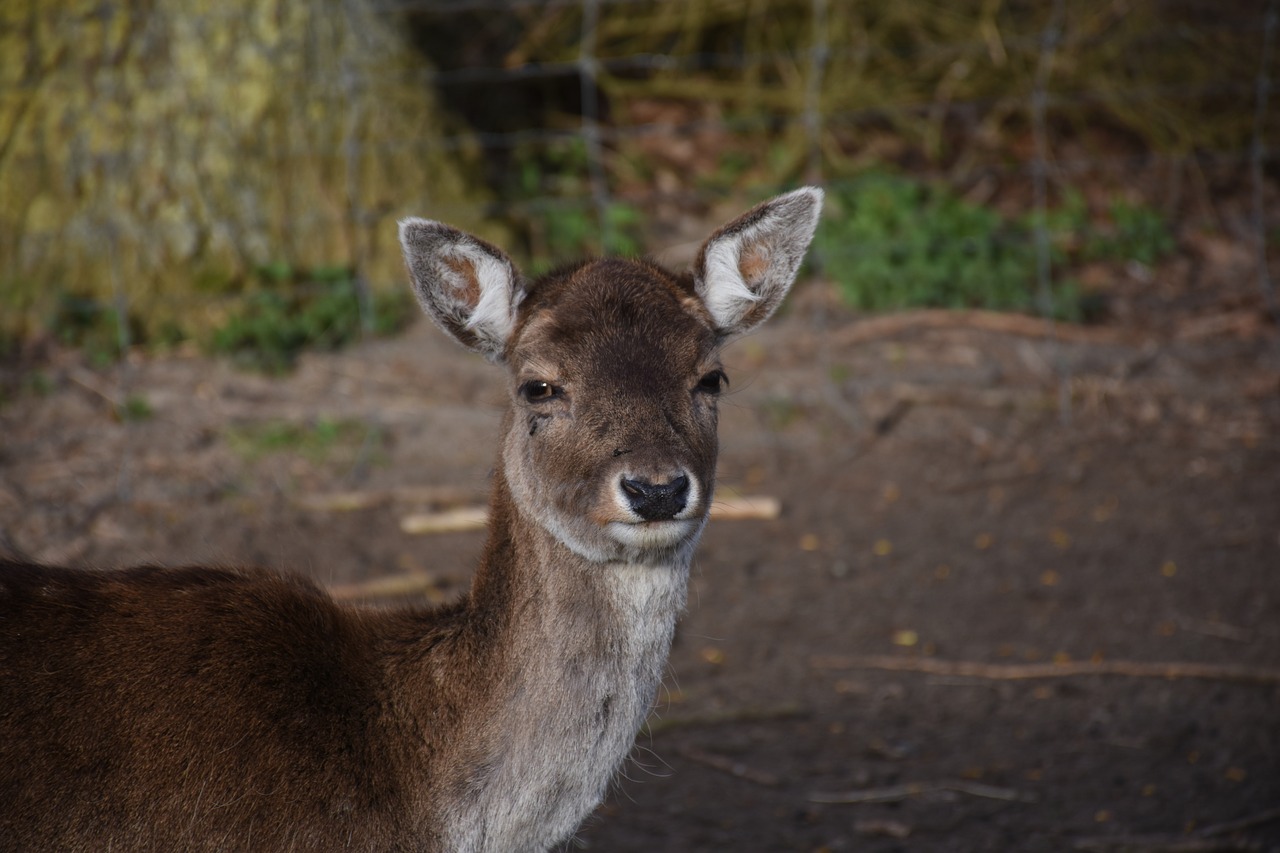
(612, 318)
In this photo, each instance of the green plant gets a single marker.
(571, 232)
(134, 408)
(1136, 233)
(270, 327)
(894, 242)
(90, 324)
(317, 441)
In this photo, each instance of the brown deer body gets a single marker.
(203, 708)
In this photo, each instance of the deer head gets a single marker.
(614, 366)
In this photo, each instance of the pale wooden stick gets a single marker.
(411, 583)
(991, 321)
(729, 508)
(356, 500)
(446, 521)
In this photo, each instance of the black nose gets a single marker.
(657, 501)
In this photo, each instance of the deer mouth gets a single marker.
(655, 535)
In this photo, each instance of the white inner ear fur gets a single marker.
(727, 295)
(758, 263)
(494, 314)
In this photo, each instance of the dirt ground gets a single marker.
(1023, 593)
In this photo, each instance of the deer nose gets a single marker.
(657, 501)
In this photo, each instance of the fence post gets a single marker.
(588, 70)
(1257, 154)
(818, 55)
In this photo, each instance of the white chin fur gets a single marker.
(652, 534)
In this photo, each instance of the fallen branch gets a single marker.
(1165, 844)
(1066, 669)
(437, 496)
(728, 508)
(94, 385)
(988, 321)
(894, 793)
(658, 725)
(445, 521)
(1207, 839)
(727, 765)
(411, 583)
(1247, 822)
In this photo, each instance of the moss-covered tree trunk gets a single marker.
(153, 152)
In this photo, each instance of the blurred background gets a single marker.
(230, 174)
(1012, 447)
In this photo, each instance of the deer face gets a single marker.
(614, 372)
(612, 440)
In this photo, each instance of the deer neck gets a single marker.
(577, 649)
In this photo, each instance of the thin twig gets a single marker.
(658, 725)
(1165, 844)
(1019, 325)
(1067, 669)
(727, 765)
(906, 790)
(1247, 822)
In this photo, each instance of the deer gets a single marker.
(229, 708)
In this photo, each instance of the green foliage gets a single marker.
(134, 408)
(894, 242)
(271, 326)
(1137, 233)
(90, 324)
(318, 441)
(570, 232)
(555, 213)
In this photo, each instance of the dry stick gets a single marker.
(394, 586)
(1207, 839)
(1019, 325)
(894, 793)
(730, 508)
(1248, 822)
(1164, 844)
(727, 765)
(1069, 669)
(438, 496)
(658, 725)
(91, 383)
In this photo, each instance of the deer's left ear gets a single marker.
(745, 269)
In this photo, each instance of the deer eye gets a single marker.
(713, 383)
(537, 391)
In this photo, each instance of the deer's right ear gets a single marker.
(469, 287)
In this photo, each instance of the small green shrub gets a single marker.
(322, 440)
(894, 242)
(1136, 233)
(91, 325)
(270, 327)
(135, 408)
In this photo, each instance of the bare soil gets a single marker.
(1064, 510)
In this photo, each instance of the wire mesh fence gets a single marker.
(577, 122)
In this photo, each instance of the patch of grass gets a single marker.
(135, 408)
(321, 440)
